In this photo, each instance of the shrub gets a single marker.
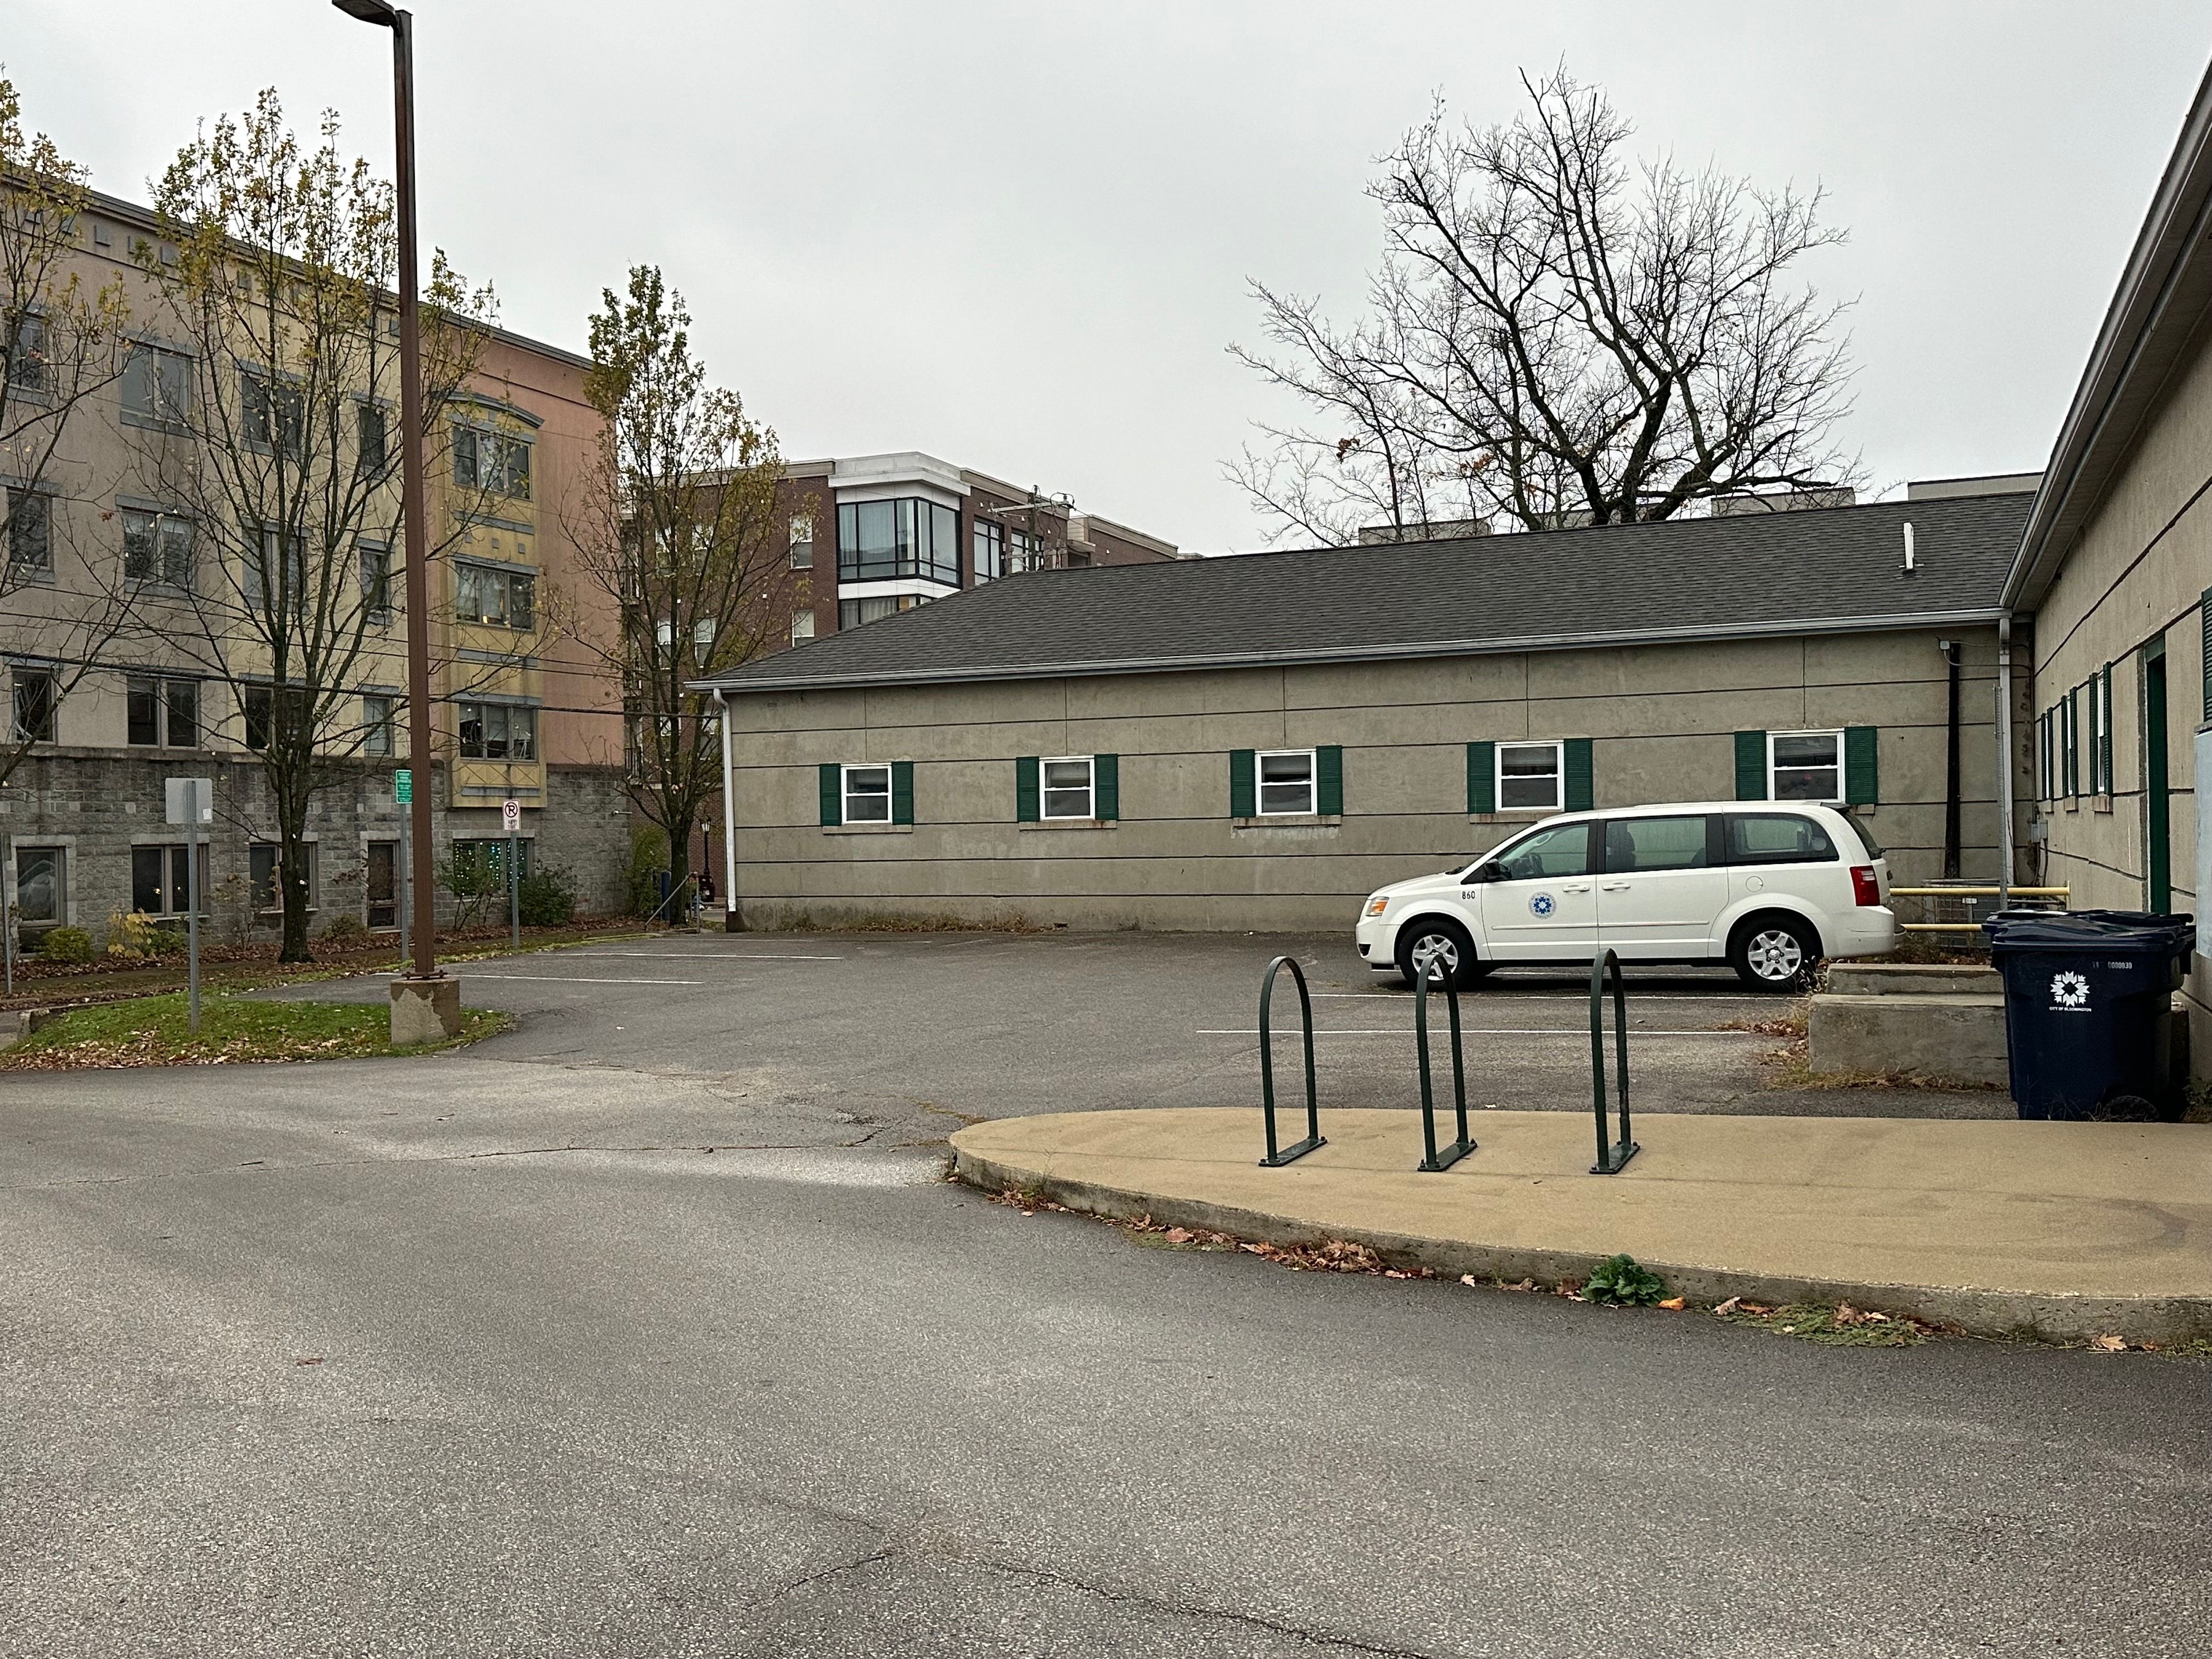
(1619, 1278)
(548, 899)
(344, 927)
(168, 941)
(476, 879)
(67, 945)
(648, 857)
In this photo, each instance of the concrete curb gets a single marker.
(2007, 1314)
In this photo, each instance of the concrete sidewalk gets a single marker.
(2059, 1230)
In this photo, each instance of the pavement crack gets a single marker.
(838, 1571)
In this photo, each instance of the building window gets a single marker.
(28, 369)
(142, 713)
(30, 541)
(1530, 777)
(260, 702)
(270, 411)
(990, 551)
(2100, 733)
(376, 733)
(802, 541)
(1286, 782)
(497, 463)
(376, 582)
(883, 541)
(2070, 746)
(264, 861)
(1022, 552)
(498, 731)
(180, 709)
(802, 626)
(158, 880)
(486, 859)
(157, 548)
(867, 794)
(502, 598)
(157, 386)
(34, 700)
(851, 613)
(1066, 786)
(369, 424)
(41, 884)
(272, 581)
(1805, 766)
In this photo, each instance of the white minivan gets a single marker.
(1769, 888)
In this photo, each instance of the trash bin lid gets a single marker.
(2092, 930)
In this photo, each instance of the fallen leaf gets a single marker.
(1754, 1308)
(1730, 1305)
(1674, 1304)
(1468, 1279)
(1391, 1273)
(1178, 1235)
(2110, 1344)
(316, 1360)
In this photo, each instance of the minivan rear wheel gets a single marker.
(1425, 946)
(1774, 952)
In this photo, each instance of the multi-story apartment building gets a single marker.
(112, 518)
(879, 534)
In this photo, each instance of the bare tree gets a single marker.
(1557, 335)
(683, 544)
(278, 435)
(63, 604)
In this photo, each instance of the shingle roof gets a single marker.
(1822, 570)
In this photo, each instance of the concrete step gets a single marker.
(1950, 1037)
(1913, 979)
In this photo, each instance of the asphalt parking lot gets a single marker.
(990, 1024)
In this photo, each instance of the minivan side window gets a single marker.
(1634, 844)
(1778, 838)
(1561, 850)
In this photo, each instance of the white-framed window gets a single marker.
(1805, 766)
(867, 794)
(377, 736)
(2069, 745)
(802, 541)
(157, 548)
(2100, 733)
(1286, 782)
(1067, 787)
(1531, 777)
(802, 626)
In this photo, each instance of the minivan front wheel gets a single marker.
(1774, 953)
(1440, 945)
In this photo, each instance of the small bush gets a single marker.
(67, 945)
(548, 899)
(648, 857)
(168, 941)
(130, 933)
(344, 927)
(1618, 1279)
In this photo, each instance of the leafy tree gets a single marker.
(685, 544)
(1557, 335)
(282, 440)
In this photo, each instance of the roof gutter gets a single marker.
(2132, 322)
(1978, 617)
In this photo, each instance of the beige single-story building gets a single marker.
(1258, 742)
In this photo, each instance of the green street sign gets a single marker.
(403, 787)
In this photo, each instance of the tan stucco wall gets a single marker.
(2136, 574)
(1662, 719)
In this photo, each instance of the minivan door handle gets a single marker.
(1613, 887)
(1583, 888)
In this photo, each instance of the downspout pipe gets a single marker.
(1951, 832)
(2005, 761)
(730, 924)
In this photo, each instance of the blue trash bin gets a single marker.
(2088, 1010)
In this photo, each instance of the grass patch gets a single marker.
(151, 1031)
(1840, 1327)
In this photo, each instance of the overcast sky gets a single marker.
(1017, 237)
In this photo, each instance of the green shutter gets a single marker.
(901, 791)
(2204, 648)
(2105, 730)
(1861, 781)
(833, 792)
(1328, 780)
(1751, 766)
(1482, 777)
(1580, 795)
(1106, 789)
(1025, 789)
(1244, 798)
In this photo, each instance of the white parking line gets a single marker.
(1480, 1030)
(576, 979)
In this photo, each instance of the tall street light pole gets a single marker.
(424, 969)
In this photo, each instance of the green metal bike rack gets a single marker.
(1612, 1155)
(1278, 1156)
(1447, 1157)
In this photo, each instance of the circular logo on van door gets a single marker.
(2070, 991)
(1541, 905)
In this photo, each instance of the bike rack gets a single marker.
(1612, 1157)
(1277, 1156)
(1459, 1149)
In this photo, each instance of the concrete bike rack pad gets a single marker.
(2061, 1231)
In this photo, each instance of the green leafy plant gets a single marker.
(548, 899)
(1618, 1281)
(648, 857)
(344, 927)
(475, 878)
(67, 945)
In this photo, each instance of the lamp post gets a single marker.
(421, 985)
